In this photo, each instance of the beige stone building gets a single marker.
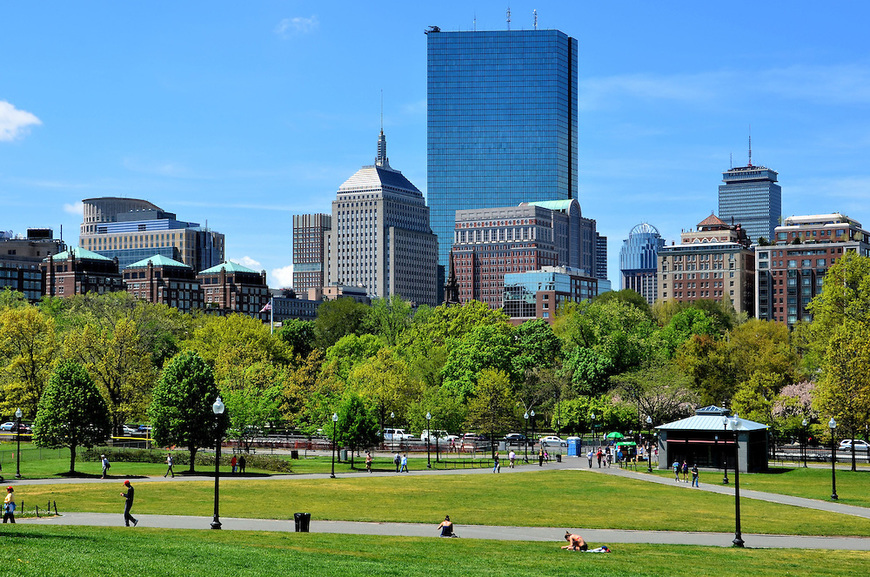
(713, 262)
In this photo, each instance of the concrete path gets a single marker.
(595, 537)
(830, 506)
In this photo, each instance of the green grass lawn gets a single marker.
(853, 488)
(540, 498)
(31, 551)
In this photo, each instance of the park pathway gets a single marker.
(829, 506)
(595, 537)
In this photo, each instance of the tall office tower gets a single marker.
(380, 236)
(751, 197)
(637, 260)
(308, 235)
(714, 262)
(488, 243)
(792, 270)
(132, 229)
(600, 257)
(502, 122)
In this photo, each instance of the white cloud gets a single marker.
(283, 277)
(14, 123)
(76, 208)
(298, 25)
(249, 262)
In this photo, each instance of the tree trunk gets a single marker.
(72, 459)
(193, 451)
(854, 467)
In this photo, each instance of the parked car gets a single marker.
(441, 435)
(397, 435)
(128, 430)
(846, 445)
(7, 426)
(516, 439)
(553, 441)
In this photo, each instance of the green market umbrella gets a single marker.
(626, 444)
(614, 435)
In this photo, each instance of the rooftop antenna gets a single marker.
(509, 17)
(535, 12)
(382, 109)
(750, 146)
(475, 21)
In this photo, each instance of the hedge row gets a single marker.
(115, 455)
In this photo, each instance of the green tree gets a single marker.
(181, 406)
(251, 411)
(337, 318)
(627, 296)
(351, 350)
(72, 413)
(388, 318)
(492, 409)
(383, 380)
(119, 364)
(444, 322)
(844, 389)
(683, 325)
(486, 346)
(661, 391)
(537, 346)
(28, 351)
(755, 397)
(299, 334)
(10, 299)
(357, 426)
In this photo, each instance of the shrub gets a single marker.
(254, 461)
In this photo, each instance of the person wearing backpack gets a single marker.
(106, 466)
(9, 505)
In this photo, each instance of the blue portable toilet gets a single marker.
(574, 447)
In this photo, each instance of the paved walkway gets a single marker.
(555, 534)
(830, 506)
(594, 536)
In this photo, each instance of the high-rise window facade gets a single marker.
(752, 198)
(308, 235)
(502, 122)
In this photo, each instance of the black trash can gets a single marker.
(303, 520)
(558, 458)
(294, 454)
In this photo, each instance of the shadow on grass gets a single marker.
(776, 471)
(79, 475)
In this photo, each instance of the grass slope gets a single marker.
(540, 498)
(31, 551)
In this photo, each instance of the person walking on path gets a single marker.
(9, 505)
(541, 457)
(368, 462)
(397, 460)
(405, 463)
(128, 518)
(599, 454)
(590, 455)
(695, 482)
(169, 470)
(105, 461)
(243, 463)
(676, 467)
(685, 471)
(512, 457)
(233, 462)
(496, 467)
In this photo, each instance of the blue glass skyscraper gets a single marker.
(637, 260)
(751, 198)
(502, 122)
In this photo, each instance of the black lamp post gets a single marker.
(804, 443)
(428, 436)
(592, 417)
(649, 448)
(833, 426)
(532, 415)
(725, 449)
(18, 440)
(218, 408)
(735, 426)
(334, 423)
(525, 434)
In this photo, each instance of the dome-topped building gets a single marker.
(637, 260)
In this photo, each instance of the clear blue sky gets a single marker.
(242, 114)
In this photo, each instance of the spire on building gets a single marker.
(382, 159)
(451, 288)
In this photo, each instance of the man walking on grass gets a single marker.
(128, 518)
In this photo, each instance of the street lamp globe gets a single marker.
(218, 407)
(832, 424)
(18, 413)
(804, 423)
